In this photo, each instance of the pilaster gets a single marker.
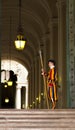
(61, 6)
(71, 53)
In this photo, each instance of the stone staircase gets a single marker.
(43, 119)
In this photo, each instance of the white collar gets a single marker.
(52, 67)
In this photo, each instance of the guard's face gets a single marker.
(50, 64)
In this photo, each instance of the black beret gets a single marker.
(52, 61)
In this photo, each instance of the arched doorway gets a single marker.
(22, 81)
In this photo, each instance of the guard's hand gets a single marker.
(42, 71)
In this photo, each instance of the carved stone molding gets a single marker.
(71, 50)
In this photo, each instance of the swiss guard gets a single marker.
(51, 82)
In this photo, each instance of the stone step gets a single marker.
(12, 119)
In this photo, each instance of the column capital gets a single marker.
(18, 87)
(60, 3)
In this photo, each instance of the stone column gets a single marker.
(62, 51)
(36, 82)
(41, 78)
(23, 97)
(44, 57)
(18, 97)
(30, 88)
(33, 85)
(50, 25)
